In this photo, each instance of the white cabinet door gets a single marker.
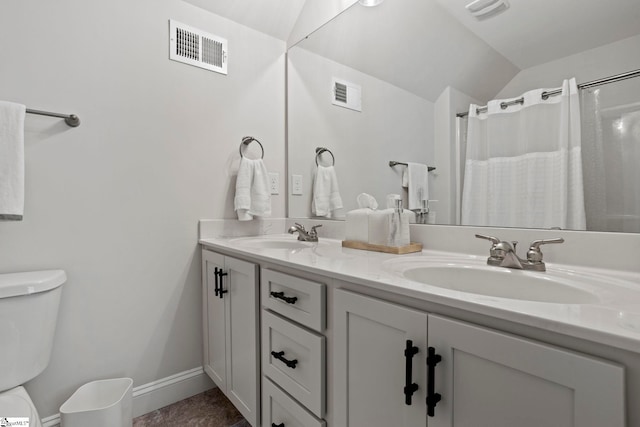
(214, 323)
(231, 330)
(492, 379)
(243, 378)
(370, 365)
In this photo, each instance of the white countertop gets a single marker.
(614, 320)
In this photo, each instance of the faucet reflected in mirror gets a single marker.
(414, 119)
(304, 235)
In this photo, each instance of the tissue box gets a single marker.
(357, 225)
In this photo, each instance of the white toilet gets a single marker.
(28, 313)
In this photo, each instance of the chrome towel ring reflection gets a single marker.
(246, 140)
(320, 150)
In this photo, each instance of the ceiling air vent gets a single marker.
(483, 9)
(347, 95)
(195, 47)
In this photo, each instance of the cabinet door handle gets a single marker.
(221, 291)
(410, 387)
(277, 425)
(280, 295)
(215, 289)
(280, 356)
(432, 397)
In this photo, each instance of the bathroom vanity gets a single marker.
(311, 334)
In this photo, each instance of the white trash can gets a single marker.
(103, 403)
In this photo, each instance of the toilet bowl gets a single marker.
(16, 405)
(28, 313)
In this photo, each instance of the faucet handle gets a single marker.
(300, 226)
(313, 231)
(498, 247)
(493, 240)
(534, 254)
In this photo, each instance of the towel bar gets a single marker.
(393, 163)
(70, 119)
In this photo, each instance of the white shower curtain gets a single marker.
(523, 165)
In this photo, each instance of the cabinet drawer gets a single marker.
(293, 358)
(298, 299)
(278, 408)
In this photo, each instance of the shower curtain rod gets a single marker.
(547, 94)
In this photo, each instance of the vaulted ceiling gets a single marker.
(425, 45)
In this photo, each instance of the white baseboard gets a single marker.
(158, 394)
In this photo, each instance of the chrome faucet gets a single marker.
(503, 254)
(304, 235)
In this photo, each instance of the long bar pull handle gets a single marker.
(221, 291)
(410, 387)
(277, 425)
(432, 397)
(281, 295)
(216, 289)
(280, 356)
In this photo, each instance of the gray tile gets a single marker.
(208, 409)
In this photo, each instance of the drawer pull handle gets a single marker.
(280, 356)
(432, 397)
(277, 425)
(280, 295)
(410, 387)
(219, 275)
(215, 274)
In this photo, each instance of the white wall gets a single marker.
(116, 201)
(446, 178)
(393, 125)
(593, 64)
(314, 14)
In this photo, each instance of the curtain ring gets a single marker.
(246, 140)
(320, 150)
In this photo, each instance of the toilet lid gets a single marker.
(12, 407)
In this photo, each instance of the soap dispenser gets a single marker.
(398, 226)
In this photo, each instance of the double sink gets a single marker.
(465, 274)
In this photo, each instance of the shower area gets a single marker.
(564, 158)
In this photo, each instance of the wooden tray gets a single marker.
(398, 250)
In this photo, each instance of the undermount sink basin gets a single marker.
(549, 287)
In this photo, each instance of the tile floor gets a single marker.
(208, 409)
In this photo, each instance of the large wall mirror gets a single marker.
(407, 67)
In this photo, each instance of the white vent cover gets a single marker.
(195, 47)
(346, 94)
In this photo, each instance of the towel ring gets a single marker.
(246, 140)
(320, 150)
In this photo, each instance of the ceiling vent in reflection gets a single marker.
(345, 94)
(195, 47)
(483, 9)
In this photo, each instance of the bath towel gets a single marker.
(252, 190)
(416, 179)
(11, 160)
(326, 194)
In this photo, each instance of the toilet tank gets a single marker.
(28, 312)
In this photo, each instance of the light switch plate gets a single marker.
(296, 185)
(274, 182)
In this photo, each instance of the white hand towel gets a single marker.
(326, 194)
(11, 160)
(417, 178)
(252, 190)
